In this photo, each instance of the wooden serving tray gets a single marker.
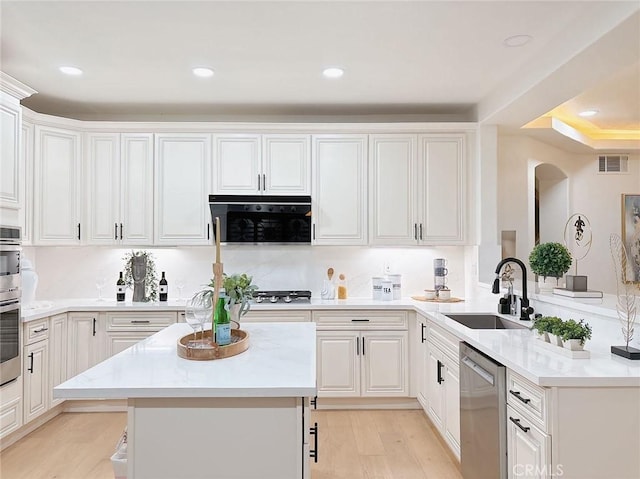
(239, 344)
(436, 300)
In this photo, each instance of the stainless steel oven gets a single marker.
(262, 219)
(10, 362)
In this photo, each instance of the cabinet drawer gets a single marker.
(448, 343)
(10, 407)
(36, 331)
(359, 319)
(277, 316)
(529, 399)
(134, 321)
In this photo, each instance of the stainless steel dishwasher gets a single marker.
(483, 414)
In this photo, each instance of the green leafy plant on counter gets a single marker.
(546, 324)
(572, 329)
(238, 289)
(150, 279)
(550, 259)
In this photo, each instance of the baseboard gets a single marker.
(31, 426)
(95, 405)
(368, 403)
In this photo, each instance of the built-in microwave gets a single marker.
(262, 219)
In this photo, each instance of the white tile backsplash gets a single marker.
(70, 272)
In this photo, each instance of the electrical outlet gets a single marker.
(386, 267)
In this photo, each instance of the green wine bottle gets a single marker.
(221, 321)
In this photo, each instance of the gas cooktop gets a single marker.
(282, 296)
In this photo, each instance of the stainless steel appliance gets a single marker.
(282, 296)
(483, 416)
(262, 219)
(10, 362)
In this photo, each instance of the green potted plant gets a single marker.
(549, 260)
(238, 289)
(542, 326)
(575, 333)
(556, 326)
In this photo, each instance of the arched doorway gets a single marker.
(551, 203)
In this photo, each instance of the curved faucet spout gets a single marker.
(525, 310)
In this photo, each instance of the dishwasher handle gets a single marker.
(479, 370)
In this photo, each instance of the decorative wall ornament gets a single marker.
(626, 305)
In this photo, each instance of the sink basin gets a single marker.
(484, 321)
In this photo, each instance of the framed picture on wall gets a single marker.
(631, 235)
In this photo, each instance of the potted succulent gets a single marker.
(549, 260)
(575, 333)
(556, 326)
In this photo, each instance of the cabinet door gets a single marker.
(528, 452)
(102, 188)
(338, 363)
(10, 132)
(435, 395)
(422, 362)
(26, 182)
(339, 197)
(452, 406)
(393, 189)
(182, 189)
(58, 172)
(11, 407)
(84, 342)
(385, 358)
(236, 165)
(443, 212)
(119, 341)
(36, 379)
(286, 165)
(57, 354)
(136, 189)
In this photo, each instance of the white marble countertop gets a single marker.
(280, 362)
(516, 349)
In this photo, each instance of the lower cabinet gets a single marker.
(529, 449)
(57, 354)
(362, 363)
(118, 341)
(11, 407)
(256, 316)
(36, 379)
(85, 338)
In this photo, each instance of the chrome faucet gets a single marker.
(525, 309)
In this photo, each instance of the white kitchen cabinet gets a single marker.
(124, 329)
(10, 143)
(118, 341)
(393, 192)
(57, 186)
(182, 171)
(339, 193)
(26, 183)
(36, 379)
(420, 361)
(362, 361)
(119, 188)
(85, 342)
(442, 189)
(258, 316)
(251, 164)
(442, 376)
(57, 354)
(11, 407)
(529, 449)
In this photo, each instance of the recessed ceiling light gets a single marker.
(517, 40)
(333, 72)
(71, 70)
(203, 72)
(588, 113)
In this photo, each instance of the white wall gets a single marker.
(593, 194)
(70, 272)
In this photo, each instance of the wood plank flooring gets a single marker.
(352, 445)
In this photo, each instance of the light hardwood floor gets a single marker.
(352, 445)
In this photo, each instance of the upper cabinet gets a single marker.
(181, 190)
(57, 187)
(247, 164)
(417, 189)
(442, 159)
(339, 197)
(10, 129)
(119, 188)
(26, 183)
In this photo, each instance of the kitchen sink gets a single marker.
(484, 321)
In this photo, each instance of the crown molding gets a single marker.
(15, 88)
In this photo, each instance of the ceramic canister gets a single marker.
(396, 281)
(387, 290)
(376, 281)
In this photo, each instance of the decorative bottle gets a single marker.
(221, 321)
(164, 288)
(342, 287)
(120, 288)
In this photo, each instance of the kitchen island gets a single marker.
(243, 417)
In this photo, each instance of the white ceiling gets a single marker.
(402, 59)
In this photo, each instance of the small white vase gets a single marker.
(542, 336)
(573, 345)
(547, 284)
(553, 339)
